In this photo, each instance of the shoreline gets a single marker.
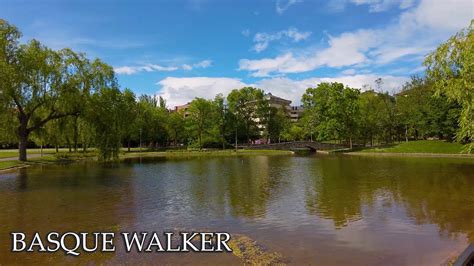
(411, 154)
(218, 153)
(51, 159)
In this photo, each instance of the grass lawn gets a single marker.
(8, 164)
(420, 146)
(14, 152)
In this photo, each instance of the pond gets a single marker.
(322, 209)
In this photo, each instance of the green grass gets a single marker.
(9, 164)
(14, 152)
(420, 146)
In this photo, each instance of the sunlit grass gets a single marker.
(421, 146)
(9, 164)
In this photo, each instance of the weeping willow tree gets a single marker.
(451, 68)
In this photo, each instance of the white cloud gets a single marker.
(130, 70)
(417, 31)
(262, 39)
(349, 71)
(246, 32)
(179, 91)
(283, 5)
(374, 5)
(202, 64)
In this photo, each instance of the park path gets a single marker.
(30, 156)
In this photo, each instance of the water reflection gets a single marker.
(45, 199)
(430, 190)
(349, 205)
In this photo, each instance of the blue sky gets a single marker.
(187, 48)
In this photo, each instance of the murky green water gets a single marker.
(318, 209)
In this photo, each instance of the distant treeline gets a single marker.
(63, 99)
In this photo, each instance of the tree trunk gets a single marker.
(128, 144)
(23, 138)
(235, 140)
(350, 142)
(22, 146)
(406, 133)
(200, 141)
(76, 134)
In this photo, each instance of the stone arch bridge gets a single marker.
(297, 145)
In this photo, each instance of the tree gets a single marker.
(451, 69)
(152, 121)
(42, 84)
(130, 115)
(278, 121)
(369, 122)
(248, 105)
(221, 116)
(425, 113)
(200, 121)
(176, 126)
(335, 108)
(39, 89)
(106, 109)
(293, 132)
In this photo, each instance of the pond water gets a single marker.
(320, 209)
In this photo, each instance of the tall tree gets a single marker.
(130, 115)
(248, 104)
(335, 108)
(369, 123)
(278, 121)
(176, 127)
(201, 121)
(220, 117)
(37, 87)
(451, 69)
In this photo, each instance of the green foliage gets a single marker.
(335, 110)
(277, 122)
(248, 105)
(451, 69)
(424, 113)
(105, 111)
(176, 127)
(201, 122)
(293, 132)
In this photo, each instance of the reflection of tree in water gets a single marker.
(430, 190)
(243, 184)
(334, 193)
(442, 195)
(58, 198)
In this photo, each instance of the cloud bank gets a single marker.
(413, 34)
(179, 91)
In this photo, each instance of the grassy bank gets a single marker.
(420, 146)
(11, 153)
